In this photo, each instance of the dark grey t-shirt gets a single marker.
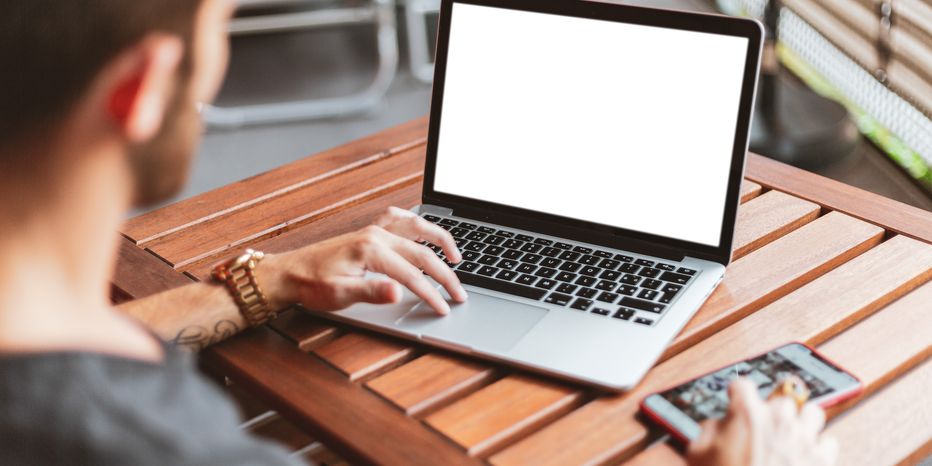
(86, 408)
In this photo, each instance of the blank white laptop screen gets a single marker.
(618, 124)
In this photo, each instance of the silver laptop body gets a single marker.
(588, 158)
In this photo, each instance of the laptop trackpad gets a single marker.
(483, 321)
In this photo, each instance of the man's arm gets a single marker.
(324, 276)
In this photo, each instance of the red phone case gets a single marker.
(658, 419)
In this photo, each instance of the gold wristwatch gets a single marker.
(239, 277)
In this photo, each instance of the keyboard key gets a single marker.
(487, 230)
(494, 250)
(623, 258)
(663, 266)
(648, 294)
(512, 254)
(651, 284)
(623, 314)
(460, 242)
(644, 321)
(566, 288)
(603, 254)
(629, 279)
(494, 239)
(570, 255)
(531, 247)
(601, 311)
(459, 232)
(627, 290)
(488, 270)
(526, 268)
(586, 293)
(609, 263)
(550, 251)
(666, 297)
(675, 278)
(559, 299)
(527, 279)
(607, 297)
(531, 258)
(606, 285)
(671, 288)
(642, 305)
(546, 284)
(590, 270)
(686, 271)
(562, 245)
(476, 236)
(512, 244)
(471, 255)
(610, 275)
(468, 266)
(566, 277)
(586, 280)
(644, 262)
(546, 272)
(589, 260)
(581, 303)
(474, 246)
(649, 272)
(448, 222)
(524, 238)
(432, 218)
(629, 268)
(542, 241)
(570, 267)
(583, 249)
(499, 285)
(446, 227)
(507, 275)
(507, 264)
(488, 260)
(504, 233)
(551, 262)
(468, 226)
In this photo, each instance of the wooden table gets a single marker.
(815, 261)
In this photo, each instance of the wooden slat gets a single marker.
(304, 330)
(895, 216)
(251, 191)
(346, 417)
(429, 380)
(500, 411)
(358, 355)
(768, 217)
(289, 210)
(749, 190)
(811, 314)
(340, 222)
(892, 427)
(773, 271)
(877, 350)
(139, 274)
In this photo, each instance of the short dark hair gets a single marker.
(51, 51)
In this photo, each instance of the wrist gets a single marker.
(276, 281)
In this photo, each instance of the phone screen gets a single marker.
(686, 405)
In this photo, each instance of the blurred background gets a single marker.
(848, 95)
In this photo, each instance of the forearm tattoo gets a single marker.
(198, 337)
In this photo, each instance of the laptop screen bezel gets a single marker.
(581, 230)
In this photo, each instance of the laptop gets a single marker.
(587, 157)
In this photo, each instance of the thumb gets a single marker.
(374, 291)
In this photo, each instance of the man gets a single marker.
(97, 114)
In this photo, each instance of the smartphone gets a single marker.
(680, 409)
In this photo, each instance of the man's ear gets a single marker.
(142, 83)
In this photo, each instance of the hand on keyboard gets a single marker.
(329, 275)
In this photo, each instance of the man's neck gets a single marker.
(56, 263)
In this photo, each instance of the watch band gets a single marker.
(239, 277)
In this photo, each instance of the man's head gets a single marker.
(131, 72)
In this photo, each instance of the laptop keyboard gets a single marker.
(584, 279)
